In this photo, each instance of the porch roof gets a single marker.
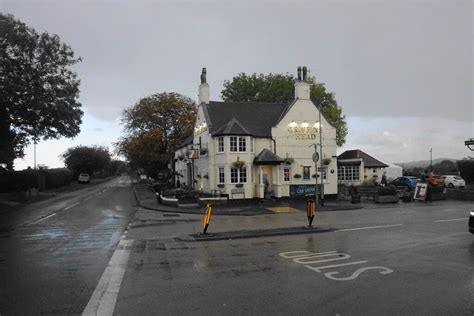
(266, 157)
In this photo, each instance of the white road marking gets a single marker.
(71, 206)
(369, 227)
(88, 198)
(318, 269)
(102, 301)
(41, 219)
(451, 220)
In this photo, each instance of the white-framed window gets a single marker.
(233, 144)
(252, 144)
(238, 175)
(348, 173)
(220, 144)
(238, 144)
(286, 174)
(220, 175)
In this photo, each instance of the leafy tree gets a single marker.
(38, 91)
(466, 169)
(84, 159)
(154, 127)
(280, 88)
(445, 167)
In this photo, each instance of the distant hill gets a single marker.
(422, 163)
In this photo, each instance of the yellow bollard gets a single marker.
(310, 211)
(207, 218)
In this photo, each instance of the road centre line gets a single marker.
(368, 227)
(451, 220)
(71, 206)
(41, 219)
(104, 298)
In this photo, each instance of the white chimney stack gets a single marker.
(203, 88)
(301, 85)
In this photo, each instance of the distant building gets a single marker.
(257, 150)
(355, 167)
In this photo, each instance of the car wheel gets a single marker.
(451, 185)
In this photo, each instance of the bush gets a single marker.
(387, 191)
(57, 177)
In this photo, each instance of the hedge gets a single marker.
(11, 181)
(14, 181)
(57, 177)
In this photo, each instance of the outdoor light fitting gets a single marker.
(470, 144)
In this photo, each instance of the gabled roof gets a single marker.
(242, 118)
(233, 127)
(369, 161)
(266, 157)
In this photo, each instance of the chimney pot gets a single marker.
(203, 75)
(299, 73)
(304, 73)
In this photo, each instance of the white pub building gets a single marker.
(257, 149)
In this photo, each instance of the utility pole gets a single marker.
(321, 156)
(431, 160)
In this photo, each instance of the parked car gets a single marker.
(404, 182)
(471, 222)
(84, 178)
(453, 181)
(434, 180)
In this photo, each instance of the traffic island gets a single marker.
(243, 234)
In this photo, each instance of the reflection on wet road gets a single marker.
(53, 264)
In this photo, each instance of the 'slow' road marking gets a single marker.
(71, 206)
(368, 227)
(451, 220)
(102, 301)
(41, 219)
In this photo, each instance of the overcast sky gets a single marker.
(402, 71)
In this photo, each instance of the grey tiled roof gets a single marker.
(242, 118)
(369, 161)
(267, 157)
(233, 127)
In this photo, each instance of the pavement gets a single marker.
(146, 199)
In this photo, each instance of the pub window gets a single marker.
(234, 175)
(221, 179)
(242, 144)
(306, 172)
(243, 175)
(220, 144)
(286, 174)
(238, 175)
(233, 144)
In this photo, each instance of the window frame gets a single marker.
(219, 175)
(219, 143)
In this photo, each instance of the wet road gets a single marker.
(408, 260)
(53, 253)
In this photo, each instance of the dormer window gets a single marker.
(238, 144)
